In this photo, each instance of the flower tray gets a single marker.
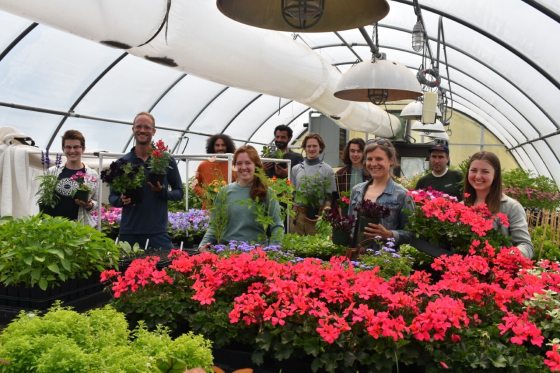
(78, 293)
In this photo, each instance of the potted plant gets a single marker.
(158, 163)
(442, 225)
(126, 178)
(369, 212)
(341, 226)
(48, 181)
(312, 194)
(188, 227)
(85, 185)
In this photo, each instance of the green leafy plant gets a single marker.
(312, 191)
(545, 242)
(45, 251)
(46, 193)
(98, 341)
(219, 215)
(316, 246)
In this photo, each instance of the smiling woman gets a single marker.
(245, 210)
(74, 176)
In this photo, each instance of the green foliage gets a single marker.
(544, 239)
(531, 191)
(262, 215)
(47, 190)
(316, 246)
(312, 191)
(195, 202)
(389, 265)
(219, 215)
(45, 251)
(420, 260)
(98, 341)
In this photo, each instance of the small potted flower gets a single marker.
(85, 185)
(126, 178)
(158, 164)
(48, 181)
(369, 212)
(341, 226)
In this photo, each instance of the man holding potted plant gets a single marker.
(71, 178)
(147, 220)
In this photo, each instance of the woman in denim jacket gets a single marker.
(379, 160)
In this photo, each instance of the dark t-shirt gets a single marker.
(450, 183)
(65, 188)
(296, 158)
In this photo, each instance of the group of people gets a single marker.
(367, 175)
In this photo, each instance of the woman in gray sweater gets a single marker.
(234, 213)
(483, 185)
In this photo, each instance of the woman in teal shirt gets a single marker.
(234, 209)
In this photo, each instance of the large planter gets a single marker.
(78, 293)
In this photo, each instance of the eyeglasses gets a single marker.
(70, 147)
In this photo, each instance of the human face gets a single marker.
(245, 169)
(312, 148)
(281, 139)
(378, 164)
(220, 146)
(144, 130)
(73, 150)
(481, 176)
(356, 155)
(438, 161)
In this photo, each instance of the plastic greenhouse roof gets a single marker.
(502, 70)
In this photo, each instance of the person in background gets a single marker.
(282, 136)
(73, 146)
(353, 171)
(147, 220)
(241, 224)
(441, 177)
(212, 170)
(380, 159)
(483, 185)
(312, 167)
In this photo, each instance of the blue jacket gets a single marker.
(149, 216)
(396, 199)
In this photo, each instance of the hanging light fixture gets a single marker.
(418, 36)
(378, 80)
(305, 15)
(436, 127)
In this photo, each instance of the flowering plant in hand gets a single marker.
(123, 176)
(159, 158)
(372, 210)
(48, 181)
(338, 221)
(440, 219)
(85, 181)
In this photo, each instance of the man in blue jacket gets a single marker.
(147, 220)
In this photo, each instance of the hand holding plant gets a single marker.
(48, 181)
(123, 176)
(159, 158)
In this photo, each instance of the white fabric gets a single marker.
(17, 179)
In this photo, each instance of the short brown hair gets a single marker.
(315, 136)
(385, 145)
(74, 135)
(145, 113)
(346, 154)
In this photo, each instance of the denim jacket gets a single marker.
(396, 199)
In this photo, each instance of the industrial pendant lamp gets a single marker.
(436, 127)
(413, 111)
(418, 36)
(305, 15)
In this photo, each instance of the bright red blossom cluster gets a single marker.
(341, 300)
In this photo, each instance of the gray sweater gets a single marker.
(518, 229)
(241, 221)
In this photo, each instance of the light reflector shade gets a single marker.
(436, 127)
(414, 111)
(336, 14)
(396, 82)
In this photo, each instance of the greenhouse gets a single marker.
(279, 185)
